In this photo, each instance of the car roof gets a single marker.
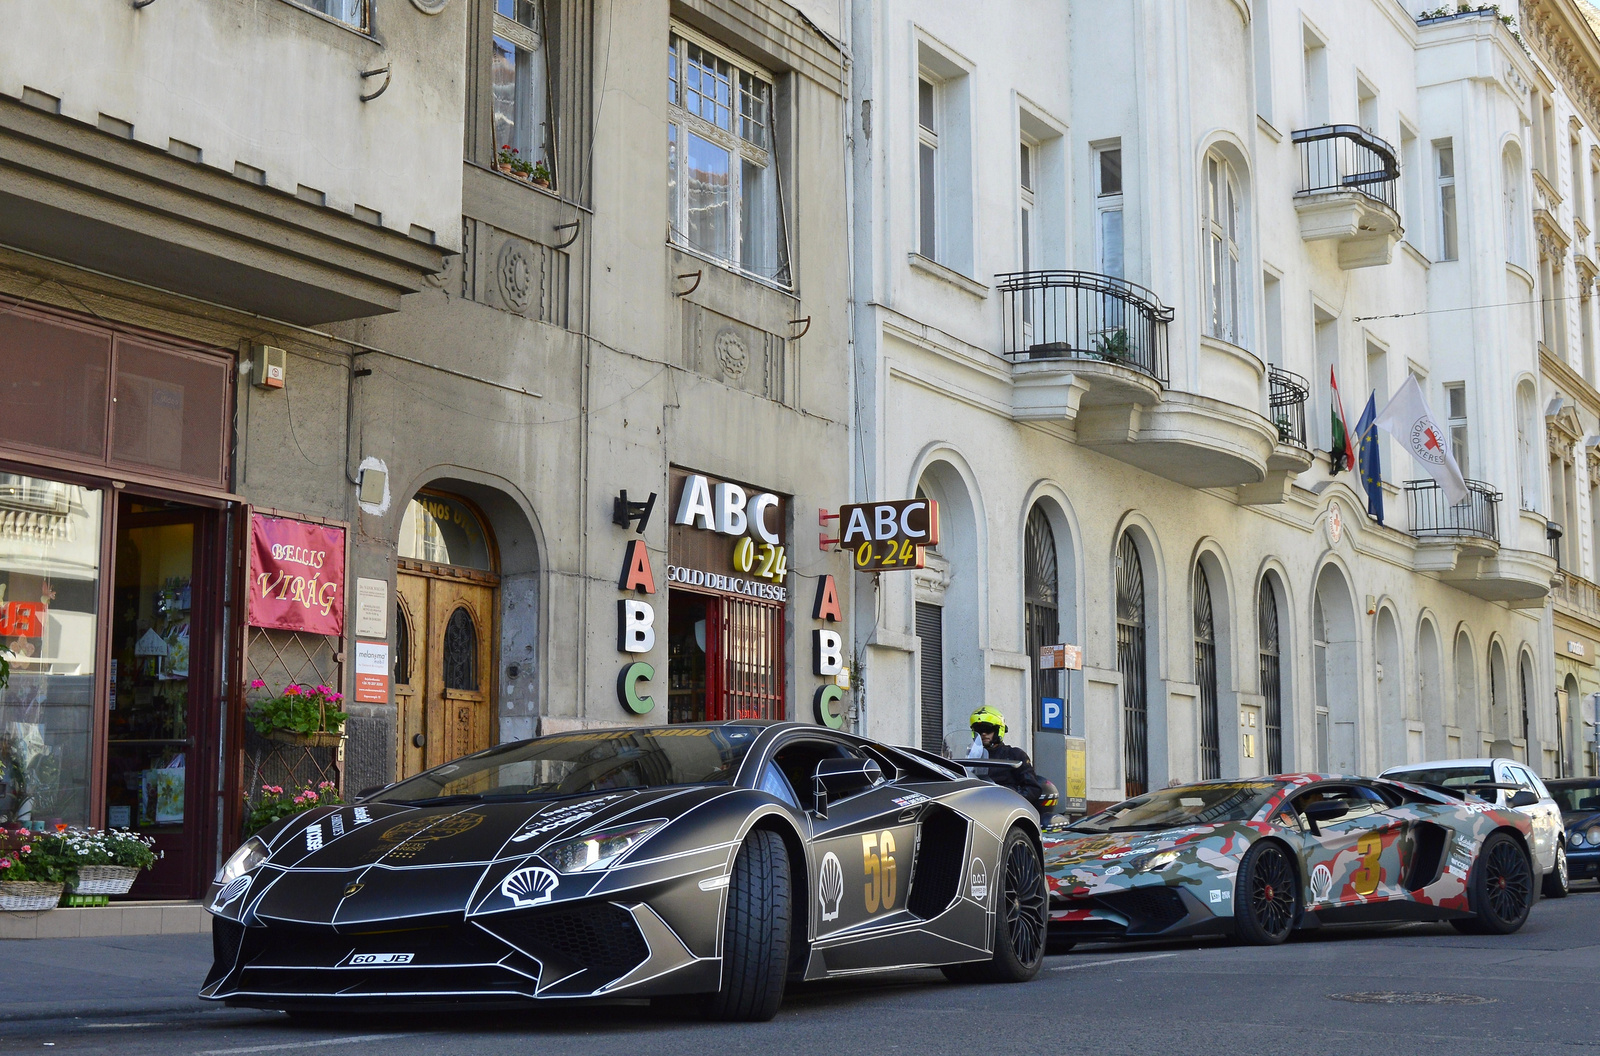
(1445, 764)
(1571, 782)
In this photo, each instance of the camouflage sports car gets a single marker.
(1258, 858)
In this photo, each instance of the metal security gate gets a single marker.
(1131, 666)
(1041, 605)
(1271, 676)
(744, 661)
(930, 628)
(1205, 676)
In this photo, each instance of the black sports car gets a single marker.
(717, 860)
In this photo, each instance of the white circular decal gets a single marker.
(1321, 883)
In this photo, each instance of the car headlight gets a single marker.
(1157, 862)
(251, 853)
(596, 850)
(1593, 835)
(1575, 838)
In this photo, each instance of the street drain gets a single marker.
(1405, 997)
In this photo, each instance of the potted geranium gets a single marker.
(33, 869)
(540, 175)
(275, 803)
(107, 861)
(299, 715)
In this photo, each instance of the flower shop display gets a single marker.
(107, 862)
(299, 715)
(33, 869)
(276, 803)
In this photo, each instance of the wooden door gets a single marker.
(445, 695)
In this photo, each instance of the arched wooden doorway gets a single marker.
(446, 610)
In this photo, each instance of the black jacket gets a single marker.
(1023, 780)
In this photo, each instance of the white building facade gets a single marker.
(1100, 288)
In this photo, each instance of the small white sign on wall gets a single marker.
(372, 608)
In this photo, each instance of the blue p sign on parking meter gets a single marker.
(1052, 713)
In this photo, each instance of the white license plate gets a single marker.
(382, 958)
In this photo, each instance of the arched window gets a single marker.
(1528, 451)
(1205, 676)
(461, 651)
(1525, 696)
(1319, 675)
(1271, 675)
(1131, 666)
(1041, 604)
(402, 646)
(1222, 206)
(1511, 196)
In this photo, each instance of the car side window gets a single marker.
(1358, 801)
(776, 784)
(1524, 780)
(1289, 818)
(798, 759)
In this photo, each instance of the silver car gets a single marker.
(1512, 785)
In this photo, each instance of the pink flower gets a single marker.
(5, 863)
(327, 784)
(256, 683)
(25, 849)
(324, 689)
(336, 697)
(291, 690)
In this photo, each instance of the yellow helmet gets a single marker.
(989, 716)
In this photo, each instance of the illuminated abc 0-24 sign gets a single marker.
(889, 535)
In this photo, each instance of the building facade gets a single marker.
(328, 363)
(1103, 273)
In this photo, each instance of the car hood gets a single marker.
(1085, 864)
(1580, 819)
(357, 864)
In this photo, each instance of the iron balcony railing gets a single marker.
(1286, 399)
(1085, 315)
(1434, 515)
(1347, 158)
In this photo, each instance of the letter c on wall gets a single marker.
(826, 703)
(628, 687)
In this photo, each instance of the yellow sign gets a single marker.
(1075, 797)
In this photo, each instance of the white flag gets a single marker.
(1408, 419)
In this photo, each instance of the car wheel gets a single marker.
(1266, 896)
(1019, 926)
(1500, 887)
(755, 932)
(1556, 882)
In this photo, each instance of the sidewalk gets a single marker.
(111, 976)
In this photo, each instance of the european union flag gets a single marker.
(1370, 462)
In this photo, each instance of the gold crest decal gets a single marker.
(350, 889)
(411, 836)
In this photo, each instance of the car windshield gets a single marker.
(1465, 778)
(1171, 808)
(576, 763)
(1577, 798)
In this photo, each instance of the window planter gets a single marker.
(28, 896)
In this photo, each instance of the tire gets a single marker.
(1557, 882)
(1266, 897)
(755, 932)
(1020, 925)
(1500, 888)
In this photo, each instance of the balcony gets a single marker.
(1348, 181)
(1578, 596)
(1460, 542)
(1089, 354)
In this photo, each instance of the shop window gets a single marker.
(170, 411)
(49, 604)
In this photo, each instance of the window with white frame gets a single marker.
(1221, 217)
(1027, 161)
(521, 89)
(927, 168)
(1455, 400)
(350, 12)
(1445, 182)
(722, 174)
(1575, 153)
(1108, 210)
(1413, 180)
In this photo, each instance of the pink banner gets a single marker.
(296, 575)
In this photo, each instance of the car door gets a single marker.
(1358, 857)
(1544, 816)
(861, 849)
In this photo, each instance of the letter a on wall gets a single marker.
(636, 572)
(827, 603)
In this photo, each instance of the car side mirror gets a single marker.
(1522, 798)
(839, 778)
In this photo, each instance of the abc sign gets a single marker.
(914, 521)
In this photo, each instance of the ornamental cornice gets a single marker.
(1562, 39)
(1553, 241)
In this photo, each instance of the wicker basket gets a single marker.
(105, 879)
(23, 896)
(322, 739)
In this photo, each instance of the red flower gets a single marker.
(5, 863)
(61, 826)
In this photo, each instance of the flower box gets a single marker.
(26, 896)
(105, 879)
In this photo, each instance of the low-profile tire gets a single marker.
(1500, 888)
(755, 932)
(1019, 924)
(1266, 895)
(1557, 882)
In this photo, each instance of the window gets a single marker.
(1261, 42)
(1575, 152)
(350, 12)
(521, 85)
(927, 169)
(1511, 202)
(1272, 304)
(1315, 58)
(1221, 209)
(1445, 179)
(722, 174)
(1325, 337)
(1108, 210)
(1586, 334)
(1025, 170)
(1536, 130)
(1367, 105)
(1412, 182)
(1594, 187)
(1455, 398)
(1527, 462)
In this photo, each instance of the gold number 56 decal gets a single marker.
(877, 862)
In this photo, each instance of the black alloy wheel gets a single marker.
(1025, 902)
(1266, 896)
(1500, 888)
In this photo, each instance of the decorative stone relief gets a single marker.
(515, 273)
(731, 354)
(740, 356)
(430, 7)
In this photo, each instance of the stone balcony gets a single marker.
(1348, 183)
(1461, 544)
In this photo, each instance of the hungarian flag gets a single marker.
(1409, 420)
(1342, 455)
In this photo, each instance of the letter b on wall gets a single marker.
(636, 632)
(827, 651)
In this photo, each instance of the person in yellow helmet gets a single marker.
(989, 726)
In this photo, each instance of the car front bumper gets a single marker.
(1137, 913)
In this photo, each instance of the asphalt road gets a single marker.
(1534, 992)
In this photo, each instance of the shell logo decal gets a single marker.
(830, 886)
(1321, 882)
(229, 894)
(531, 886)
